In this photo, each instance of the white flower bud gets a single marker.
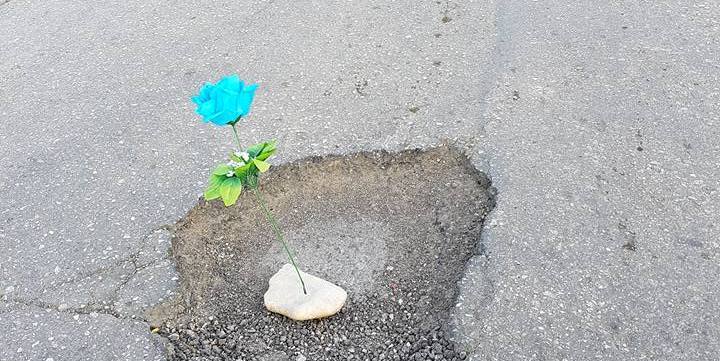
(235, 164)
(244, 155)
(230, 174)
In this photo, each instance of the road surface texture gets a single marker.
(597, 122)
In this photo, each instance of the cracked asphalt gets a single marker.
(597, 122)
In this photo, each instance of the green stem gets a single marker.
(278, 233)
(235, 133)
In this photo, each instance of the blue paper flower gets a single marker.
(223, 103)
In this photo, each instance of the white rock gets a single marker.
(285, 296)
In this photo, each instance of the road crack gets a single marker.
(84, 310)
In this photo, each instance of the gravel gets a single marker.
(375, 329)
(421, 211)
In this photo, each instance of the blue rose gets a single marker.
(225, 102)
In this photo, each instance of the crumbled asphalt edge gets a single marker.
(406, 323)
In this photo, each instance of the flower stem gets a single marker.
(278, 233)
(237, 139)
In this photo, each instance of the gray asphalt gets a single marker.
(597, 122)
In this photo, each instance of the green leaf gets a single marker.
(261, 165)
(240, 172)
(265, 154)
(222, 169)
(255, 149)
(213, 189)
(230, 190)
(267, 151)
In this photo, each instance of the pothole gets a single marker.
(394, 230)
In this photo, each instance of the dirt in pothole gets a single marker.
(394, 230)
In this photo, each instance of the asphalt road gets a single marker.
(597, 122)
